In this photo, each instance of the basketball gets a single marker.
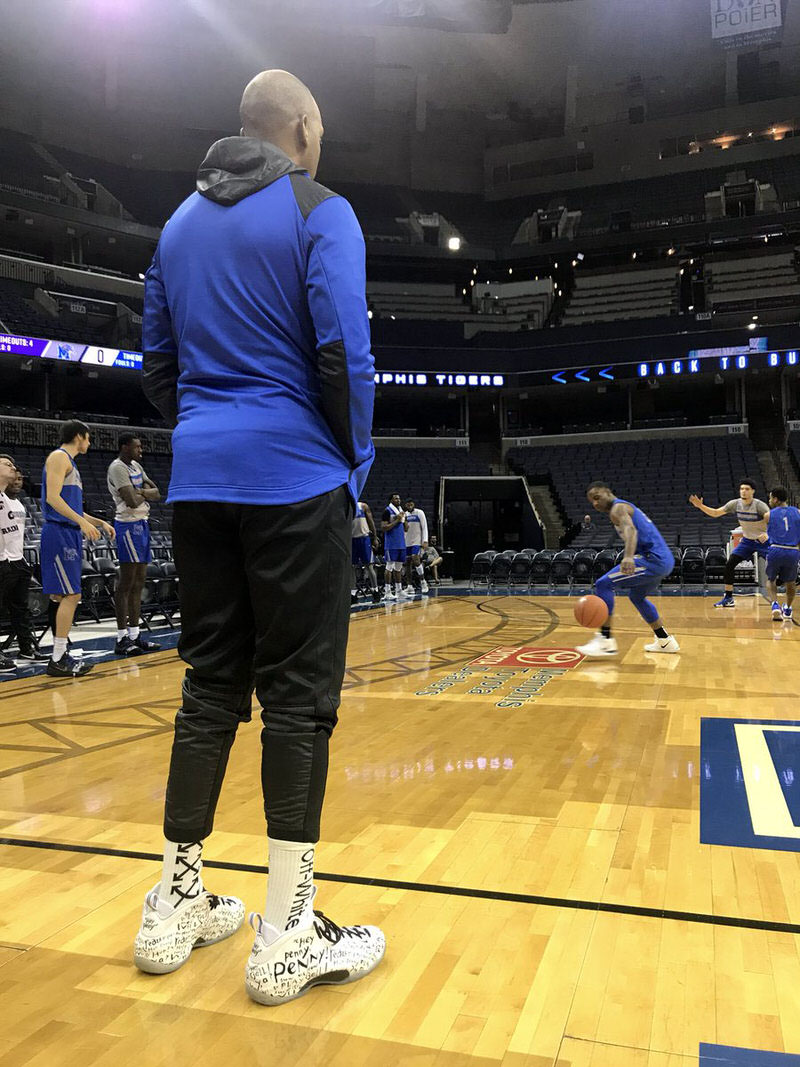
(591, 611)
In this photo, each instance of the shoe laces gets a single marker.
(334, 933)
(327, 928)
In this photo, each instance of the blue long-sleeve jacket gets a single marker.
(256, 335)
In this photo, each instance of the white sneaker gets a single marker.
(410, 590)
(168, 934)
(389, 595)
(424, 587)
(282, 967)
(777, 613)
(661, 644)
(401, 593)
(599, 647)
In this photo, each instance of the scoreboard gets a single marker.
(70, 351)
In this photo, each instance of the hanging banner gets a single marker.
(746, 23)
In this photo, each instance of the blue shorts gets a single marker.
(133, 541)
(646, 579)
(395, 555)
(747, 548)
(782, 564)
(413, 550)
(362, 550)
(60, 558)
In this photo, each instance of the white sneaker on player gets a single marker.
(168, 934)
(599, 647)
(282, 967)
(663, 644)
(410, 590)
(777, 613)
(424, 587)
(389, 594)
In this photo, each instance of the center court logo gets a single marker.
(516, 674)
(520, 656)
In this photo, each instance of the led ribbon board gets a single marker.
(69, 351)
(449, 378)
(72, 352)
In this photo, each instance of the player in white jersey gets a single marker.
(752, 515)
(416, 541)
(8, 472)
(131, 490)
(15, 574)
(365, 539)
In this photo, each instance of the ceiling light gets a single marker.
(454, 244)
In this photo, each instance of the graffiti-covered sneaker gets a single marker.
(168, 935)
(282, 967)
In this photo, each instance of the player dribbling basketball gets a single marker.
(646, 561)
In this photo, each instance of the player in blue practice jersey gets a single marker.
(394, 526)
(646, 561)
(62, 544)
(365, 538)
(783, 555)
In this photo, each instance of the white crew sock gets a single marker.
(59, 647)
(133, 632)
(122, 633)
(290, 884)
(182, 873)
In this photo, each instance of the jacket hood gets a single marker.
(236, 167)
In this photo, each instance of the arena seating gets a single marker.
(576, 571)
(793, 447)
(501, 310)
(760, 281)
(24, 170)
(97, 325)
(657, 475)
(607, 296)
(93, 467)
(415, 473)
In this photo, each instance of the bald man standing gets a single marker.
(256, 342)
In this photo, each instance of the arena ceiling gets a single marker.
(70, 67)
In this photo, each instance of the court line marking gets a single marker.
(606, 907)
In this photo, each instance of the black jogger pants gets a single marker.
(265, 606)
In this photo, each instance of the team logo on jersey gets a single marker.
(512, 675)
(521, 656)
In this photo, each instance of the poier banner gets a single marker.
(743, 23)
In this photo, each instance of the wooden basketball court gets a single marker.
(527, 830)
